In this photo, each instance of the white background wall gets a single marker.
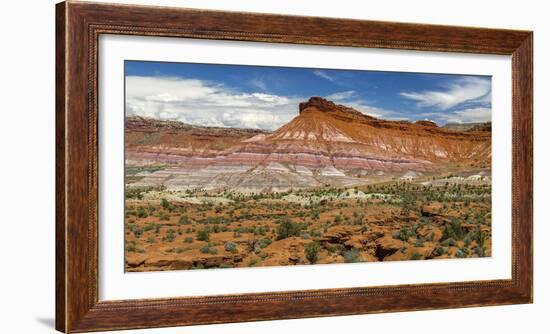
(27, 70)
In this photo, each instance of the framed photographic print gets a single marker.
(221, 167)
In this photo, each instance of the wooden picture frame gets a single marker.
(78, 27)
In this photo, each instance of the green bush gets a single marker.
(138, 232)
(253, 261)
(170, 235)
(416, 256)
(287, 228)
(453, 230)
(208, 249)
(462, 252)
(203, 235)
(315, 214)
(404, 234)
(448, 242)
(312, 252)
(263, 243)
(440, 251)
(188, 240)
(230, 247)
(165, 204)
(352, 256)
(141, 213)
(184, 220)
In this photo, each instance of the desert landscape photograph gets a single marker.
(230, 166)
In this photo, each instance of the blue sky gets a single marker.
(268, 97)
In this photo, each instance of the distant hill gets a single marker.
(486, 126)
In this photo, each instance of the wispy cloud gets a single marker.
(340, 96)
(350, 98)
(324, 75)
(465, 89)
(468, 115)
(258, 83)
(207, 103)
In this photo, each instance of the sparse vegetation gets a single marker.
(312, 252)
(319, 225)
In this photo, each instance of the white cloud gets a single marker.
(466, 89)
(339, 96)
(469, 115)
(349, 98)
(258, 83)
(207, 103)
(324, 75)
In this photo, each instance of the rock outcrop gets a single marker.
(325, 143)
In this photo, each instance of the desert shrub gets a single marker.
(188, 240)
(253, 261)
(151, 240)
(315, 233)
(165, 204)
(330, 248)
(468, 239)
(480, 251)
(287, 228)
(453, 230)
(462, 252)
(230, 247)
(480, 237)
(404, 234)
(312, 252)
(351, 256)
(261, 230)
(131, 247)
(170, 235)
(225, 265)
(141, 213)
(263, 243)
(315, 214)
(203, 235)
(416, 256)
(198, 266)
(208, 249)
(184, 220)
(149, 227)
(138, 232)
(440, 250)
(448, 242)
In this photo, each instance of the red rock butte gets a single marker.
(323, 143)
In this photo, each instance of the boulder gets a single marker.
(386, 246)
(431, 210)
(429, 233)
(336, 235)
(181, 265)
(135, 260)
